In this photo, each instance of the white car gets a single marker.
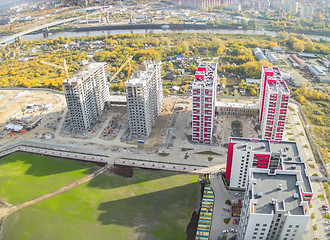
(327, 222)
(237, 194)
(325, 212)
(226, 208)
(225, 231)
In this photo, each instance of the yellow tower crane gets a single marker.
(64, 67)
(128, 61)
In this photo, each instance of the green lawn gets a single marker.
(26, 176)
(150, 205)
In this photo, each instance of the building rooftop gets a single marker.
(237, 105)
(287, 149)
(85, 73)
(280, 188)
(206, 74)
(139, 78)
(244, 144)
(275, 81)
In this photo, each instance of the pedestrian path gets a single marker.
(205, 216)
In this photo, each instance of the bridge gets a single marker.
(321, 179)
(45, 26)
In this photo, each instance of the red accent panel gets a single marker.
(271, 81)
(201, 69)
(263, 160)
(264, 90)
(199, 76)
(307, 194)
(253, 139)
(229, 159)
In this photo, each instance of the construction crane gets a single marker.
(128, 59)
(64, 67)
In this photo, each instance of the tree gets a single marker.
(298, 46)
(301, 99)
(253, 92)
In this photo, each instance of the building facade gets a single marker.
(144, 94)
(86, 93)
(245, 153)
(203, 104)
(275, 205)
(274, 99)
(202, 4)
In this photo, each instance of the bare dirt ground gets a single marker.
(159, 129)
(12, 101)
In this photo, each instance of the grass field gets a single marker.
(26, 176)
(150, 205)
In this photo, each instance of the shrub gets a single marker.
(228, 202)
(164, 154)
(226, 220)
(311, 166)
(314, 227)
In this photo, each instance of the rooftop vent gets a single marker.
(263, 145)
(295, 195)
(259, 194)
(287, 147)
(279, 186)
(273, 201)
(294, 166)
(245, 144)
(290, 157)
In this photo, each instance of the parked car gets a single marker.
(225, 231)
(226, 208)
(327, 222)
(327, 229)
(237, 194)
(325, 212)
(324, 206)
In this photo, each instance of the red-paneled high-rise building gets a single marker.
(204, 95)
(274, 100)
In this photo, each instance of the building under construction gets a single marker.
(86, 93)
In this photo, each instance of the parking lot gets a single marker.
(222, 211)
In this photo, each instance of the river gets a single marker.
(106, 32)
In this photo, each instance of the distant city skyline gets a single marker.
(7, 2)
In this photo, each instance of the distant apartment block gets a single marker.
(204, 4)
(204, 95)
(245, 153)
(274, 99)
(144, 93)
(306, 11)
(86, 93)
(275, 205)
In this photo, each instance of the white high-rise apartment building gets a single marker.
(274, 205)
(274, 100)
(86, 93)
(245, 153)
(204, 90)
(144, 93)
